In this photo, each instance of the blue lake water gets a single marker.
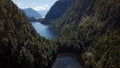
(44, 30)
(62, 62)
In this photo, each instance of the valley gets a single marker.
(44, 30)
(88, 35)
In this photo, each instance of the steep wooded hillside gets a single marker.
(91, 28)
(57, 10)
(20, 45)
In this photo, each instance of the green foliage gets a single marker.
(20, 45)
(91, 27)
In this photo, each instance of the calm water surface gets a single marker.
(44, 30)
(61, 62)
(66, 62)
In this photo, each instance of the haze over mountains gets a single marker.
(31, 13)
(43, 12)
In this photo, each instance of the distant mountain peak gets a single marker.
(30, 12)
(28, 8)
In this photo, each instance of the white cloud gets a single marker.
(23, 7)
(18, 3)
(46, 5)
(43, 7)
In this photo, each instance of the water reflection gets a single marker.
(66, 62)
(44, 30)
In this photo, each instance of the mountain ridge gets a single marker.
(91, 28)
(57, 10)
(20, 45)
(31, 13)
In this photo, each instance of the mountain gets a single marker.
(20, 45)
(31, 13)
(91, 29)
(58, 9)
(43, 12)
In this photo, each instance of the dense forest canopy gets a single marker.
(89, 28)
(20, 45)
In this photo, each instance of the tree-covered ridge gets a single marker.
(20, 45)
(91, 28)
(57, 10)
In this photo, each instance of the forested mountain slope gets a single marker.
(20, 45)
(57, 10)
(91, 28)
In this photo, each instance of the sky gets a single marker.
(38, 5)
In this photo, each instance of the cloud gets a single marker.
(18, 3)
(43, 7)
(21, 5)
(46, 5)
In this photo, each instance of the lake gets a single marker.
(44, 30)
(66, 62)
(60, 62)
